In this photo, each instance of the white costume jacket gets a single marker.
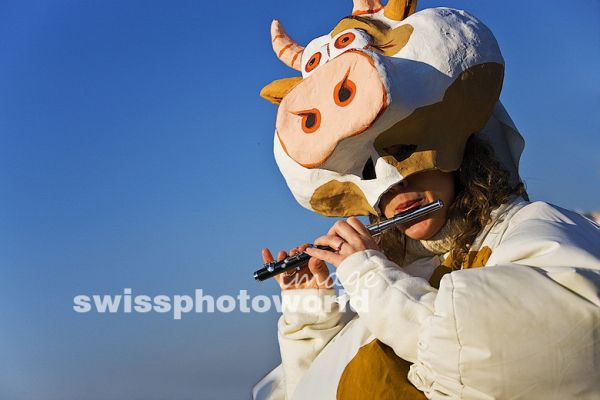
(527, 326)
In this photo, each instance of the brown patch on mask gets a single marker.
(386, 41)
(418, 161)
(340, 199)
(401, 151)
(441, 130)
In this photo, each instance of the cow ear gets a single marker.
(276, 90)
(397, 10)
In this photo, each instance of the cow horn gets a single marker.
(397, 10)
(287, 50)
(366, 7)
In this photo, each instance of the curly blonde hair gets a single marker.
(481, 185)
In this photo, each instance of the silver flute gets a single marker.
(297, 261)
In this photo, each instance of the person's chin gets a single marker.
(422, 230)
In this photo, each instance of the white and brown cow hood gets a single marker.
(384, 96)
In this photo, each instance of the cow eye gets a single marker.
(344, 40)
(313, 62)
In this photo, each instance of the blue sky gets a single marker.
(135, 152)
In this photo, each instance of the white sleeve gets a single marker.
(311, 318)
(380, 289)
(270, 387)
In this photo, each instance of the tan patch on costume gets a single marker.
(276, 90)
(343, 199)
(475, 259)
(385, 40)
(438, 274)
(441, 130)
(376, 372)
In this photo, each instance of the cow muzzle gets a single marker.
(340, 100)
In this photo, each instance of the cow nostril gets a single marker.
(311, 120)
(344, 92)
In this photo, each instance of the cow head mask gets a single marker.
(386, 94)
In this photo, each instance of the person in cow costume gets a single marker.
(491, 297)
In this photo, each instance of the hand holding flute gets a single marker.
(313, 275)
(342, 240)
